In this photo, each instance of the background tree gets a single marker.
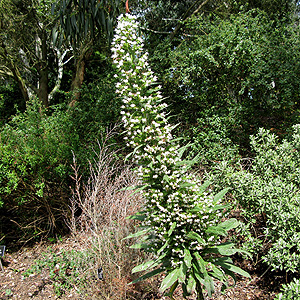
(86, 25)
(27, 53)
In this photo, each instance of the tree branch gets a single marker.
(187, 16)
(60, 64)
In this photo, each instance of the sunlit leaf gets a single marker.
(148, 275)
(170, 279)
(195, 236)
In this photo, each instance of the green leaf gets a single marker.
(183, 271)
(230, 224)
(209, 285)
(191, 284)
(187, 257)
(170, 279)
(200, 264)
(223, 249)
(163, 247)
(139, 189)
(232, 268)
(216, 230)
(133, 187)
(137, 234)
(134, 151)
(172, 289)
(166, 178)
(148, 275)
(220, 195)
(183, 149)
(137, 216)
(217, 273)
(186, 184)
(139, 246)
(204, 186)
(195, 236)
(227, 251)
(146, 265)
(173, 226)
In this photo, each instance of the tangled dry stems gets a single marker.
(98, 221)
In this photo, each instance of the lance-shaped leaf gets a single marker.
(195, 236)
(183, 272)
(172, 289)
(217, 273)
(226, 249)
(220, 195)
(191, 284)
(230, 224)
(187, 257)
(170, 279)
(138, 216)
(216, 230)
(146, 265)
(228, 266)
(148, 275)
(137, 234)
(204, 186)
(173, 226)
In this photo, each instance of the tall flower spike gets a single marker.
(178, 212)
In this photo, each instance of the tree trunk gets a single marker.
(78, 77)
(16, 74)
(21, 84)
(77, 81)
(43, 72)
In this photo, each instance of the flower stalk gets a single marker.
(181, 219)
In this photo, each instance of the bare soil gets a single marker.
(13, 285)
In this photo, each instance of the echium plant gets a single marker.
(180, 223)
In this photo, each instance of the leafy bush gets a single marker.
(211, 142)
(270, 189)
(242, 66)
(36, 153)
(290, 291)
(35, 149)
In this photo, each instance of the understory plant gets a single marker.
(180, 223)
(269, 190)
(289, 291)
(98, 225)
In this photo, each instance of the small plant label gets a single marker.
(2, 249)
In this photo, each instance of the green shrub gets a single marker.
(35, 149)
(270, 189)
(211, 142)
(290, 291)
(35, 157)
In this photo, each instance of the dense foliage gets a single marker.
(270, 188)
(241, 69)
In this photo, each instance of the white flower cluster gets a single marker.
(171, 192)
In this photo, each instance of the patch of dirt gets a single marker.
(13, 285)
